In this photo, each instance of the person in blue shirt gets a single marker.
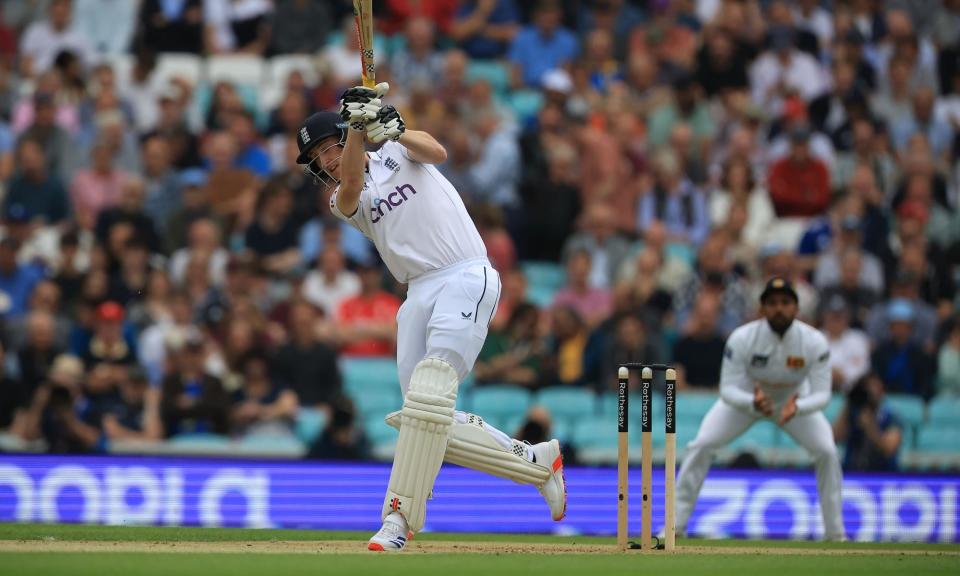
(16, 281)
(250, 153)
(484, 29)
(543, 46)
(872, 432)
(39, 192)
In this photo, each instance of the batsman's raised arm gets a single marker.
(351, 172)
(422, 147)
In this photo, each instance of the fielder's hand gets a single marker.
(762, 403)
(789, 410)
(360, 105)
(388, 125)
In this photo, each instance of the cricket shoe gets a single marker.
(554, 490)
(393, 535)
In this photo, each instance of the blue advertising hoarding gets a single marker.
(323, 495)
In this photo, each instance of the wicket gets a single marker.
(646, 446)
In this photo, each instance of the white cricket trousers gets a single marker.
(723, 423)
(446, 315)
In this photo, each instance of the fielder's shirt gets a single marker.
(797, 363)
(413, 215)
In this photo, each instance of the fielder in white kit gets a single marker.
(776, 367)
(418, 222)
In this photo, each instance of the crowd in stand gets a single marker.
(167, 268)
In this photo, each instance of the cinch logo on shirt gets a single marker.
(393, 200)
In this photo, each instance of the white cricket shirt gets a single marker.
(797, 363)
(414, 216)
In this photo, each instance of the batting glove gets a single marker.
(388, 125)
(360, 105)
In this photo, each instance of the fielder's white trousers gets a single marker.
(446, 315)
(723, 423)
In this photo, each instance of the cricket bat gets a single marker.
(363, 16)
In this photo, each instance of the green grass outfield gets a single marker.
(31, 549)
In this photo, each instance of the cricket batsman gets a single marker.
(776, 367)
(416, 219)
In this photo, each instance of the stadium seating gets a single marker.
(278, 69)
(309, 424)
(377, 401)
(909, 409)
(497, 74)
(692, 406)
(270, 446)
(186, 66)
(944, 410)
(238, 69)
(498, 402)
(544, 279)
(567, 403)
(366, 375)
(526, 104)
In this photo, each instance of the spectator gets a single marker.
(923, 317)
(129, 212)
(204, 242)
(564, 365)
(608, 249)
(343, 57)
(923, 121)
(783, 70)
(38, 243)
(799, 183)
(849, 239)
(948, 361)
(495, 172)
(17, 281)
(327, 230)
(129, 283)
(300, 27)
(135, 415)
(272, 236)
(108, 342)
(699, 352)
(515, 354)
(541, 46)
(675, 201)
(419, 62)
(39, 351)
(231, 191)
(43, 40)
(367, 322)
(857, 298)
(98, 187)
(737, 187)
(39, 191)
(722, 63)
(849, 347)
(537, 427)
(500, 247)
(193, 401)
(628, 336)
(237, 26)
(484, 29)
(60, 413)
(865, 153)
(902, 365)
(195, 206)
(251, 154)
(107, 25)
(261, 406)
(172, 27)
(14, 398)
(331, 283)
(172, 123)
(342, 439)
(715, 275)
(687, 107)
(161, 184)
(592, 304)
(873, 434)
(306, 365)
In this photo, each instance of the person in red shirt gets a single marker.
(367, 323)
(799, 182)
(441, 12)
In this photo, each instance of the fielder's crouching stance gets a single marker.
(422, 231)
(775, 367)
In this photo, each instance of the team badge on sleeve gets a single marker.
(795, 362)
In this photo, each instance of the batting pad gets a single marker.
(425, 418)
(470, 445)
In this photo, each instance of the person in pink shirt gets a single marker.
(98, 187)
(593, 304)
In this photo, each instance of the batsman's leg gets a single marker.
(814, 433)
(426, 417)
(477, 445)
(719, 427)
